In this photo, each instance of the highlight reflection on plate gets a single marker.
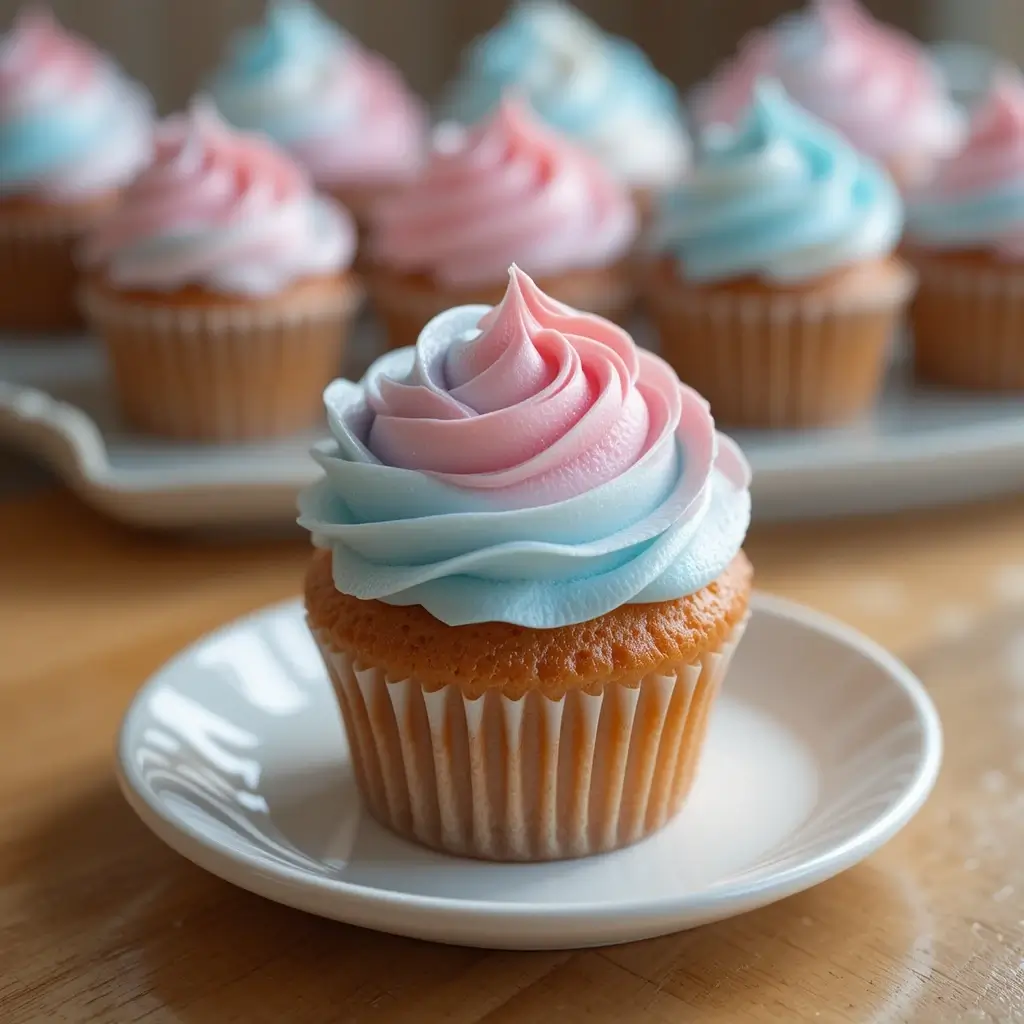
(822, 746)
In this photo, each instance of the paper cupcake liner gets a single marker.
(968, 325)
(780, 360)
(222, 374)
(405, 307)
(528, 779)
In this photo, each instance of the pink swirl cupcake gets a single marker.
(873, 83)
(506, 191)
(965, 234)
(531, 583)
(220, 285)
(73, 131)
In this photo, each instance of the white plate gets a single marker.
(821, 748)
(920, 448)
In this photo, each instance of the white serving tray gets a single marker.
(920, 448)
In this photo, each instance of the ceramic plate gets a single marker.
(920, 448)
(821, 748)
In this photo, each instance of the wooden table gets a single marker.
(100, 922)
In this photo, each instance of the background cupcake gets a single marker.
(219, 285)
(344, 113)
(875, 84)
(533, 580)
(777, 292)
(73, 130)
(598, 89)
(508, 190)
(966, 239)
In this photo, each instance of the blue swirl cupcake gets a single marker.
(775, 287)
(598, 89)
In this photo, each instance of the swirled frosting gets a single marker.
(507, 190)
(976, 199)
(343, 112)
(526, 464)
(71, 125)
(223, 210)
(783, 197)
(598, 89)
(873, 83)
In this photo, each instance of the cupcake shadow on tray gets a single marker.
(221, 256)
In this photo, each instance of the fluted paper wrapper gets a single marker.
(222, 374)
(968, 326)
(406, 308)
(38, 276)
(528, 779)
(781, 360)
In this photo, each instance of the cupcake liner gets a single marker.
(968, 324)
(406, 305)
(222, 373)
(38, 276)
(782, 359)
(532, 778)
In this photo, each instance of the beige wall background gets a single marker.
(171, 44)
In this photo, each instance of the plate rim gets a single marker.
(356, 898)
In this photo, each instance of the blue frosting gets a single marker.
(971, 219)
(666, 527)
(269, 81)
(783, 197)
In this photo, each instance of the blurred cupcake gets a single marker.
(342, 112)
(777, 291)
(220, 287)
(598, 89)
(73, 130)
(875, 84)
(966, 239)
(508, 190)
(532, 580)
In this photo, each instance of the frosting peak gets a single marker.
(781, 197)
(220, 209)
(508, 189)
(872, 83)
(343, 112)
(976, 199)
(70, 123)
(526, 463)
(598, 89)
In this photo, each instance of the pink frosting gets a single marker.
(220, 208)
(384, 141)
(993, 155)
(545, 403)
(39, 59)
(507, 191)
(873, 83)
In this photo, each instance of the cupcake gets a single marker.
(508, 190)
(220, 287)
(775, 289)
(597, 89)
(531, 580)
(73, 131)
(966, 239)
(342, 112)
(876, 85)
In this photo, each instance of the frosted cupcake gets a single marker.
(508, 190)
(776, 292)
(875, 84)
(598, 89)
(220, 287)
(531, 582)
(73, 131)
(966, 239)
(342, 112)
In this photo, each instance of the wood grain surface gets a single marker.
(100, 922)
